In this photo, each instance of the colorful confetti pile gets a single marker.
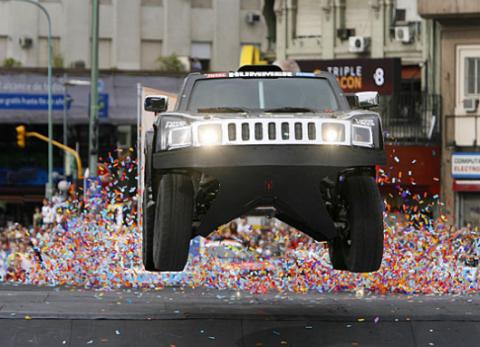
(97, 244)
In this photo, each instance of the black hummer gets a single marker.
(263, 137)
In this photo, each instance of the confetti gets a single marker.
(98, 245)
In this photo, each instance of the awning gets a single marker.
(121, 90)
(410, 72)
(466, 186)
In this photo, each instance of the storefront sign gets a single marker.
(466, 165)
(17, 101)
(355, 75)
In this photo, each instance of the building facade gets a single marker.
(456, 34)
(322, 29)
(381, 45)
(133, 34)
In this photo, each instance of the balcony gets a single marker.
(411, 118)
(448, 8)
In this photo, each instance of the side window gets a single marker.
(467, 80)
(472, 76)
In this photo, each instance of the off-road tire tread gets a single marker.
(173, 222)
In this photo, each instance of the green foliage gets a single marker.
(170, 63)
(10, 62)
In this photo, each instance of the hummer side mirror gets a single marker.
(156, 103)
(366, 99)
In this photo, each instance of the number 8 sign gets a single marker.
(379, 76)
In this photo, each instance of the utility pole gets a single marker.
(49, 190)
(93, 125)
(66, 103)
(65, 127)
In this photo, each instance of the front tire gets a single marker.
(173, 222)
(148, 213)
(147, 232)
(361, 247)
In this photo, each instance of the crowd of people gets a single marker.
(271, 238)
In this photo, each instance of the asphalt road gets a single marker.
(205, 317)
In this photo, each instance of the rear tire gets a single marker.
(361, 249)
(173, 222)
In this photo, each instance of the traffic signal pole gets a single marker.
(93, 123)
(22, 134)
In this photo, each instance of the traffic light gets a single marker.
(21, 134)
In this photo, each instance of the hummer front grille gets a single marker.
(258, 131)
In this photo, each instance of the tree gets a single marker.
(170, 63)
(11, 62)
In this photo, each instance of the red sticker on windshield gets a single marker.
(216, 75)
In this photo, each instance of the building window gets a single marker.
(105, 53)
(249, 5)
(124, 136)
(151, 50)
(472, 76)
(152, 2)
(201, 53)
(43, 51)
(3, 48)
(103, 2)
(468, 79)
(202, 4)
(308, 19)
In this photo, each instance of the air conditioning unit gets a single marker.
(78, 64)
(253, 18)
(403, 34)
(470, 105)
(25, 42)
(358, 44)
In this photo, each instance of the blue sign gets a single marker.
(102, 105)
(25, 176)
(36, 102)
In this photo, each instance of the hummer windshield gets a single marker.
(263, 94)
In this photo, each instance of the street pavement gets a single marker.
(178, 317)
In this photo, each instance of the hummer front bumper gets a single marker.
(286, 177)
(268, 155)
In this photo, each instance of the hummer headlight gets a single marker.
(209, 134)
(362, 135)
(333, 133)
(179, 137)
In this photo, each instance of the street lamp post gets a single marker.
(93, 124)
(50, 104)
(68, 82)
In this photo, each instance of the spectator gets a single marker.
(47, 213)
(4, 253)
(244, 227)
(37, 219)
